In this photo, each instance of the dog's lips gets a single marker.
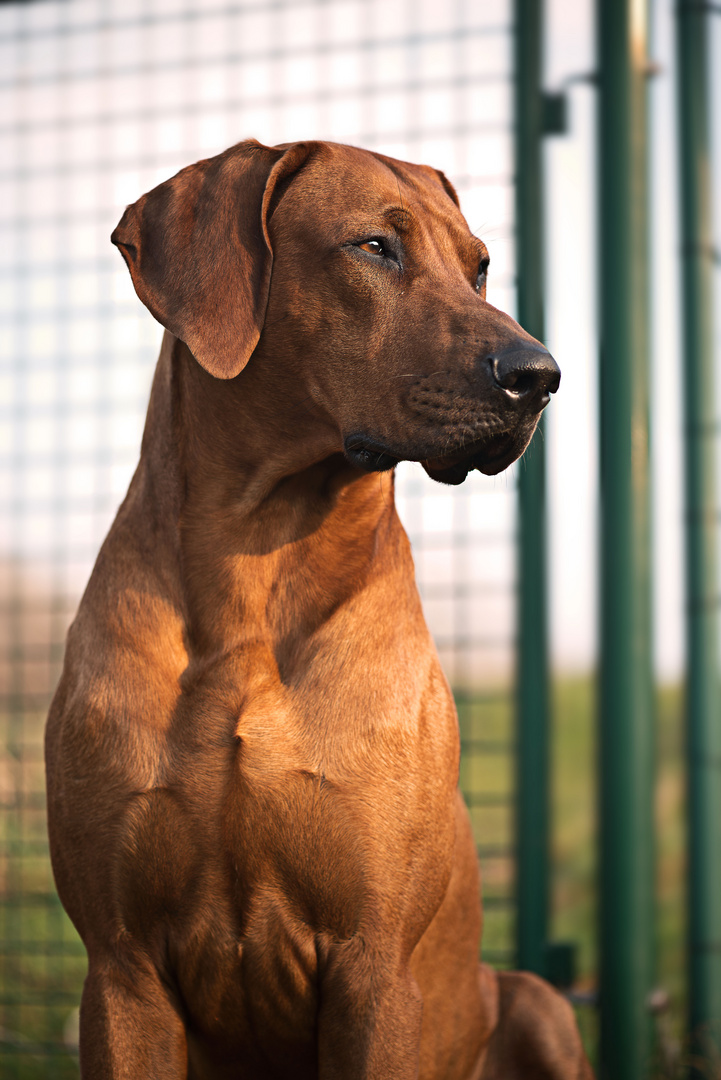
(368, 456)
(439, 464)
(490, 456)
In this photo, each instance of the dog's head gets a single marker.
(359, 276)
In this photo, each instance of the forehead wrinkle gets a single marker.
(407, 199)
(442, 226)
(452, 236)
(400, 217)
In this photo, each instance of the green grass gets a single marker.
(487, 784)
(42, 961)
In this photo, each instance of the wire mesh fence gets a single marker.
(100, 100)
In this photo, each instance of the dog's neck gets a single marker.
(255, 488)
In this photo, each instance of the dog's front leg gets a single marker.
(129, 1027)
(370, 1017)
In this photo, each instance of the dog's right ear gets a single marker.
(198, 251)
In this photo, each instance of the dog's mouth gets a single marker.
(490, 455)
(368, 455)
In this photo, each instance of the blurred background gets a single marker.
(578, 746)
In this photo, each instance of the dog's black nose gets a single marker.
(530, 374)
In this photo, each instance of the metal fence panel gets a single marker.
(699, 252)
(99, 101)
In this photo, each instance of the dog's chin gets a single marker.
(490, 455)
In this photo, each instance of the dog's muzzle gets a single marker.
(516, 385)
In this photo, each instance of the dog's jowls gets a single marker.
(253, 753)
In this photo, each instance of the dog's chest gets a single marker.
(330, 814)
(337, 818)
(279, 839)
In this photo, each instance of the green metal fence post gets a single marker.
(532, 758)
(703, 702)
(626, 709)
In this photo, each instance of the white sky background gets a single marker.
(570, 273)
(571, 337)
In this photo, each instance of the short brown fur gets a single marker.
(252, 755)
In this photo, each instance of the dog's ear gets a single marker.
(438, 175)
(198, 251)
(448, 186)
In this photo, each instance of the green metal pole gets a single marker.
(532, 756)
(626, 709)
(703, 702)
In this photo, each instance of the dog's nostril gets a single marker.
(519, 382)
(526, 373)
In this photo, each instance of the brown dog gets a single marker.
(253, 753)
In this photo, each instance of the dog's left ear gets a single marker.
(448, 186)
(198, 251)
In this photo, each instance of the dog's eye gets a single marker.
(482, 274)
(373, 247)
